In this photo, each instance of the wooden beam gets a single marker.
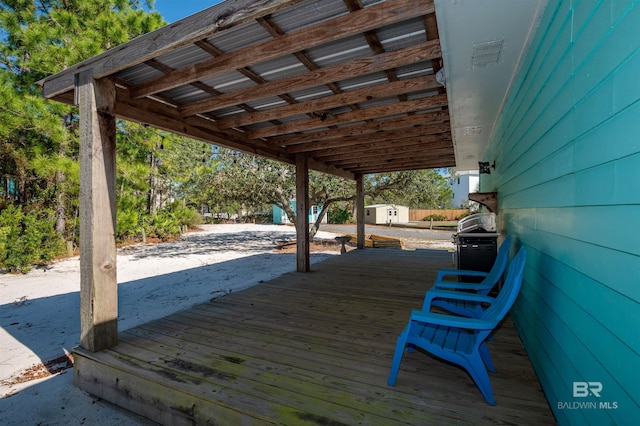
(329, 169)
(360, 211)
(343, 26)
(98, 281)
(369, 156)
(487, 199)
(438, 162)
(165, 117)
(277, 31)
(148, 46)
(302, 214)
(385, 125)
(375, 44)
(381, 111)
(430, 133)
(357, 67)
(392, 141)
(335, 101)
(426, 156)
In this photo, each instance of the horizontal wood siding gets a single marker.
(567, 155)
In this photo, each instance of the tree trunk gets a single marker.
(61, 209)
(152, 200)
(61, 222)
(316, 225)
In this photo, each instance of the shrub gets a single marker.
(435, 217)
(27, 239)
(163, 225)
(463, 215)
(186, 216)
(127, 224)
(339, 215)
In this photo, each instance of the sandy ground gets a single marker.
(39, 312)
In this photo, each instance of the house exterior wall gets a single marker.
(567, 152)
(280, 216)
(462, 184)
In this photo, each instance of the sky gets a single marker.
(173, 10)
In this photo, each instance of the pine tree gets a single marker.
(39, 138)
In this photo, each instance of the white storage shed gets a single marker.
(383, 214)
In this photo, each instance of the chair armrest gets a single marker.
(442, 285)
(457, 272)
(457, 295)
(451, 320)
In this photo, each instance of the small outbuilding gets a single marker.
(382, 214)
(280, 216)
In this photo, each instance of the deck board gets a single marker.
(310, 349)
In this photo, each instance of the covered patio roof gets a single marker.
(350, 84)
(347, 87)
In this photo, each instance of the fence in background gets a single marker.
(450, 214)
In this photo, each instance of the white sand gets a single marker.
(39, 311)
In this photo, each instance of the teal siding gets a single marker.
(567, 153)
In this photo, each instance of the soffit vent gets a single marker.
(473, 130)
(486, 53)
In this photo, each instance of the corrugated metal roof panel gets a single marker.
(344, 50)
(403, 34)
(229, 82)
(185, 56)
(378, 102)
(227, 112)
(305, 14)
(362, 81)
(138, 74)
(239, 37)
(268, 103)
(283, 67)
(414, 70)
(311, 93)
(185, 94)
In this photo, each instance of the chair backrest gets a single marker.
(509, 292)
(499, 265)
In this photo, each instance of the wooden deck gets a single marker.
(309, 349)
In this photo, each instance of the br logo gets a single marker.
(584, 389)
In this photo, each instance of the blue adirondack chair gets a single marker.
(462, 340)
(464, 307)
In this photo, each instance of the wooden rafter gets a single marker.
(406, 56)
(366, 99)
(328, 102)
(387, 110)
(325, 32)
(371, 157)
(397, 148)
(385, 125)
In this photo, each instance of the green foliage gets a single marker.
(438, 217)
(163, 225)
(27, 239)
(39, 138)
(339, 214)
(185, 216)
(127, 224)
(463, 215)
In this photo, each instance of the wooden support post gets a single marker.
(360, 210)
(98, 281)
(302, 213)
